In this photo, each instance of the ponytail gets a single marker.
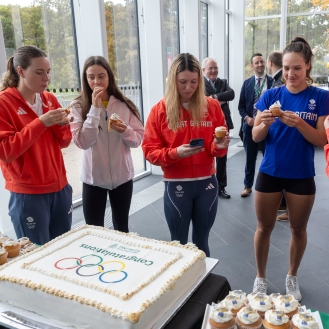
(11, 77)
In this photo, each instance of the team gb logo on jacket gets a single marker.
(311, 105)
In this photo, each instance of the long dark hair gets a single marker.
(22, 58)
(300, 46)
(84, 98)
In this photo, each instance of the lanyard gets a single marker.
(259, 91)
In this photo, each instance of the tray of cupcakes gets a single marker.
(11, 248)
(258, 311)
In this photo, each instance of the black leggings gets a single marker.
(94, 205)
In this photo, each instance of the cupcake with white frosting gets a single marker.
(29, 247)
(3, 256)
(23, 241)
(287, 304)
(261, 303)
(304, 321)
(276, 320)
(248, 318)
(221, 317)
(233, 303)
(3, 238)
(240, 294)
(274, 296)
(12, 247)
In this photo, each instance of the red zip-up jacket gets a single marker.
(30, 153)
(160, 143)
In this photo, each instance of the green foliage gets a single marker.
(262, 35)
(47, 25)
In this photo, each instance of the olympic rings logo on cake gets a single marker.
(104, 271)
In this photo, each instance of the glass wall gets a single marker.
(305, 18)
(49, 26)
(262, 36)
(170, 31)
(203, 30)
(124, 58)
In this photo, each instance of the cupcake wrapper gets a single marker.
(242, 326)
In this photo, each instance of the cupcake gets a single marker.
(274, 296)
(220, 131)
(3, 238)
(276, 320)
(303, 321)
(287, 304)
(113, 119)
(29, 247)
(261, 303)
(23, 241)
(240, 294)
(248, 318)
(221, 317)
(275, 109)
(3, 256)
(233, 303)
(12, 247)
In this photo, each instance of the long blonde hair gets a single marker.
(197, 103)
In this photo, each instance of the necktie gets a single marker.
(256, 95)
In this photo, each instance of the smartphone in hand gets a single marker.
(196, 142)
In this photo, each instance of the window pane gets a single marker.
(123, 51)
(49, 26)
(298, 6)
(314, 29)
(170, 30)
(203, 31)
(261, 36)
(256, 8)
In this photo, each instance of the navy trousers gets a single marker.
(251, 148)
(41, 217)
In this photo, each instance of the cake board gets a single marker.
(6, 323)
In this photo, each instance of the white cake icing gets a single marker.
(286, 303)
(276, 317)
(247, 315)
(304, 321)
(92, 277)
(260, 302)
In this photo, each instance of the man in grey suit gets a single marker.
(251, 91)
(219, 89)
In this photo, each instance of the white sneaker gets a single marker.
(260, 286)
(292, 287)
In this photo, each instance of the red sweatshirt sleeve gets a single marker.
(153, 145)
(14, 143)
(326, 153)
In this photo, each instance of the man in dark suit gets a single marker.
(274, 66)
(251, 91)
(219, 89)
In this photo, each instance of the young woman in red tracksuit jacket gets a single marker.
(191, 188)
(33, 129)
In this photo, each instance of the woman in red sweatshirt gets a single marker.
(33, 129)
(191, 188)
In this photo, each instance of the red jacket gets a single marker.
(160, 143)
(30, 153)
(326, 153)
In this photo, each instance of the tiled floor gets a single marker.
(231, 238)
